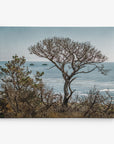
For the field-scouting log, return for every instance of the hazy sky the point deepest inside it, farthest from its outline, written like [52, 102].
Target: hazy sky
[16, 40]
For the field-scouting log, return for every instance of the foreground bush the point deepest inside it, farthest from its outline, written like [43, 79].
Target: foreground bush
[97, 105]
[21, 93]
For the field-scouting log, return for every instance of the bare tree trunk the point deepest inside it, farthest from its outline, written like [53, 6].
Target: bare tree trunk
[65, 101]
[66, 93]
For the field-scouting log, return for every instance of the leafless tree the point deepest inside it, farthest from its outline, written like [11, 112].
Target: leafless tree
[71, 58]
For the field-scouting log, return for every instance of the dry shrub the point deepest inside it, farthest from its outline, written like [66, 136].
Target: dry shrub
[97, 105]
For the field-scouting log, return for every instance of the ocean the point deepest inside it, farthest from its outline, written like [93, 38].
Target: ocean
[52, 78]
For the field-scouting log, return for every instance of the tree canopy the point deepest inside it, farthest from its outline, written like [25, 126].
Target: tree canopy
[64, 52]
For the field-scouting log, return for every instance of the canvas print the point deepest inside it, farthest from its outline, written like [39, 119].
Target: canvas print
[56, 72]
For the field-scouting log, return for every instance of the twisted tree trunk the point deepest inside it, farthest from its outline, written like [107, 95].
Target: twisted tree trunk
[66, 93]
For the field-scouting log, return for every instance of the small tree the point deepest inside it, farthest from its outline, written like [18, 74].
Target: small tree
[71, 58]
[21, 91]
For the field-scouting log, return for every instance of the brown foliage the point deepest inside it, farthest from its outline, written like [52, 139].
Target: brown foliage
[20, 91]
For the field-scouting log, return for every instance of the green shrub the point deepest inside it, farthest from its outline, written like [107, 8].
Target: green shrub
[20, 90]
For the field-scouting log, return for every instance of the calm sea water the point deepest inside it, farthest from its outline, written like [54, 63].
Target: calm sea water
[84, 82]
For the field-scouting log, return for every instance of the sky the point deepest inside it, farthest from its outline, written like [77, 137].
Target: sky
[17, 40]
